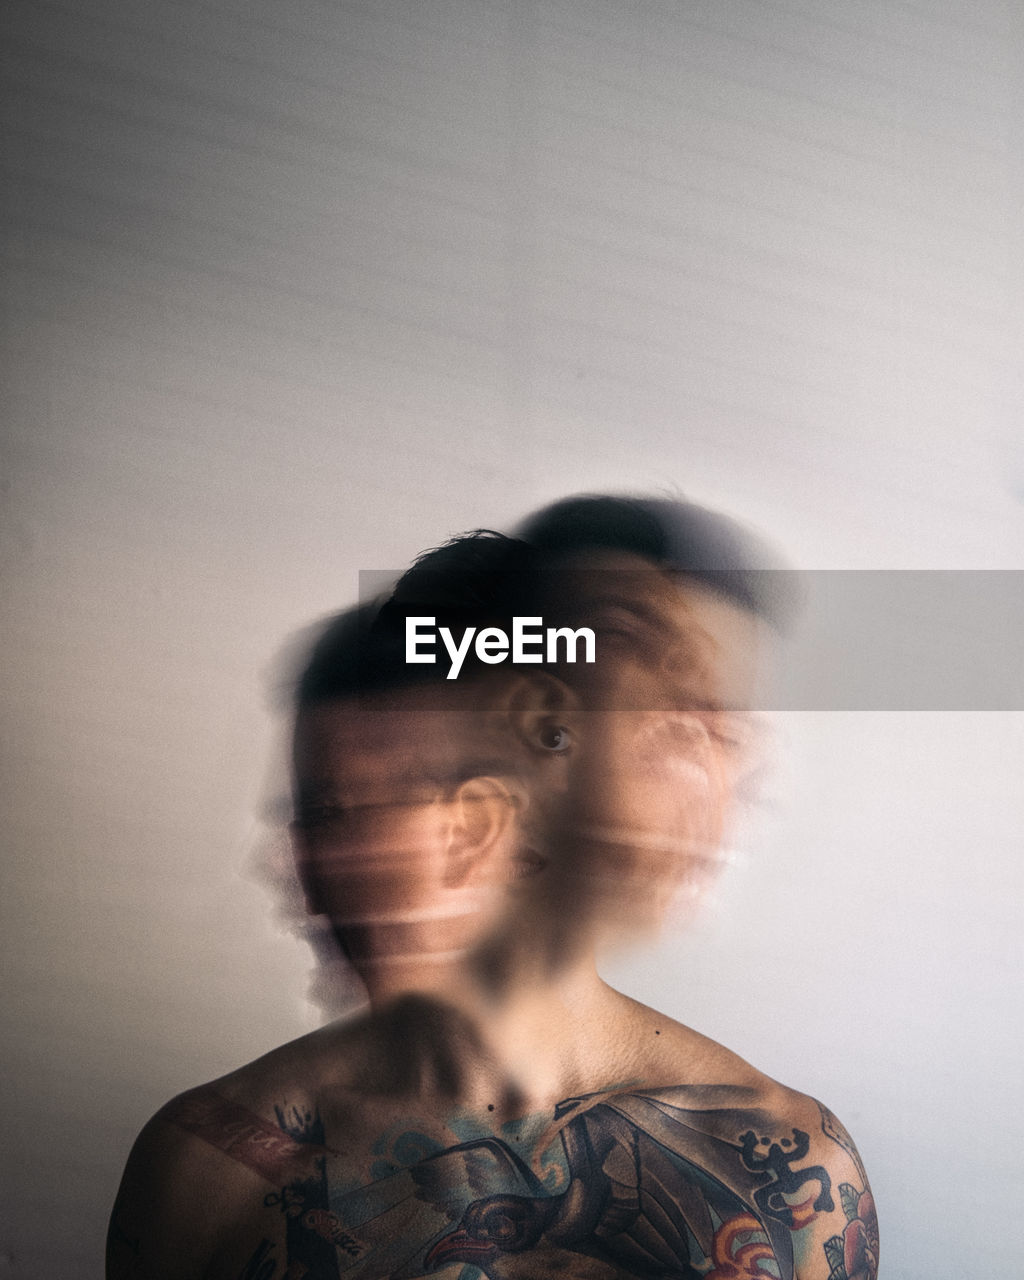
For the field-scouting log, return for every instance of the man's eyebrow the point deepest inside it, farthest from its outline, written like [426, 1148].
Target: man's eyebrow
[646, 613]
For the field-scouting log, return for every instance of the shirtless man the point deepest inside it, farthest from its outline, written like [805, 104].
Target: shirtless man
[500, 1107]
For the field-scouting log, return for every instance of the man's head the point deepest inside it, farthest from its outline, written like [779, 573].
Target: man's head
[679, 599]
[617, 774]
[413, 794]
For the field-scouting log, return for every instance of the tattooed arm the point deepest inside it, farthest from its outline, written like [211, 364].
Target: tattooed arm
[156, 1224]
[184, 1207]
[840, 1241]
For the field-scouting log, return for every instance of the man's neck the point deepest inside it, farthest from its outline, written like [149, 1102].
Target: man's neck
[502, 1041]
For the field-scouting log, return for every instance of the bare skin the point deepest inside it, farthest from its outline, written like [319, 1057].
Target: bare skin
[500, 1107]
[458, 1082]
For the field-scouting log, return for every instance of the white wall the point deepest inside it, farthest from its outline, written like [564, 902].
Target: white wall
[297, 290]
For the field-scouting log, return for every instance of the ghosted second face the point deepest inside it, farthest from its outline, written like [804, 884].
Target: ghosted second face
[666, 736]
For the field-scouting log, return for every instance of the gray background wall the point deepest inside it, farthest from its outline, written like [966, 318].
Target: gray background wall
[295, 290]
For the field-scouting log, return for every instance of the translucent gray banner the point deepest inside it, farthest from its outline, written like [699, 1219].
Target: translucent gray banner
[904, 640]
[877, 640]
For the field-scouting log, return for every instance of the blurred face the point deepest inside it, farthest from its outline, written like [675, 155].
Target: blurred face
[665, 736]
[382, 847]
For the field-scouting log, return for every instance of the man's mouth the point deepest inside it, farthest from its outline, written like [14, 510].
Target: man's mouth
[526, 863]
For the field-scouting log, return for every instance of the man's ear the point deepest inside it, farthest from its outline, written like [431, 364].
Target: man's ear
[481, 840]
[544, 714]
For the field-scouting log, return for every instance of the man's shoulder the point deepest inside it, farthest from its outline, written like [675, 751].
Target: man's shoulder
[689, 1072]
[268, 1105]
[670, 1053]
[203, 1165]
[176, 1192]
[786, 1153]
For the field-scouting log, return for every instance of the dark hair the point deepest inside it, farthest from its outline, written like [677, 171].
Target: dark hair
[484, 575]
[480, 579]
[339, 663]
[672, 534]
[484, 579]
